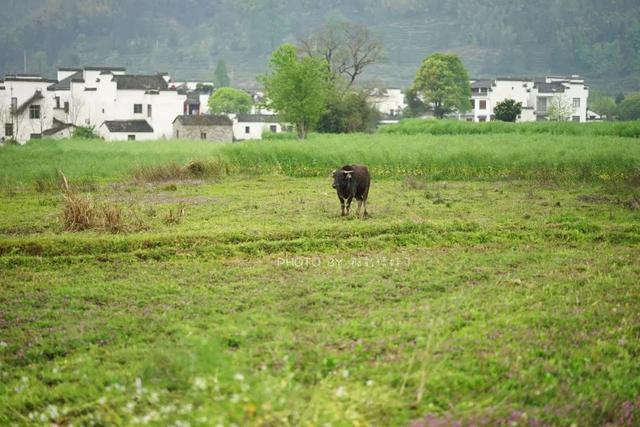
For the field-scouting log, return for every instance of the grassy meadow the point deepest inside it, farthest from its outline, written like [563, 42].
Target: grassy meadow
[187, 283]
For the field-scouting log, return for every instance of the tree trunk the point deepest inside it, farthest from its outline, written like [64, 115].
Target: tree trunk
[302, 130]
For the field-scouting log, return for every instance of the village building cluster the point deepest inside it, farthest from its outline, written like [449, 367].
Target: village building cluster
[536, 96]
[119, 106]
[122, 106]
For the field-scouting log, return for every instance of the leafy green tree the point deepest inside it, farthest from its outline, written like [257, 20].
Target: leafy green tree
[297, 88]
[507, 110]
[442, 83]
[415, 106]
[629, 109]
[229, 100]
[350, 112]
[220, 75]
[601, 104]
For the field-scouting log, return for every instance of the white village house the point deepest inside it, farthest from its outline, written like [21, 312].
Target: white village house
[535, 95]
[252, 126]
[389, 102]
[25, 110]
[31, 106]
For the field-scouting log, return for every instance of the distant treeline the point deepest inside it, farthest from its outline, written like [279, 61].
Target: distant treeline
[590, 37]
[455, 127]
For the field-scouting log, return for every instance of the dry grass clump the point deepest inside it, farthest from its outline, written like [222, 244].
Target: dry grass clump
[158, 173]
[195, 169]
[174, 216]
[81, 213]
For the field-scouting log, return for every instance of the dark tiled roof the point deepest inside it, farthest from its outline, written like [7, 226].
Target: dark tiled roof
[257, 118]
[484, 83]
[36, 96]
[65, 84]
[57, 128]
[89, 68]
[553, 87]
[128, 126]
[26, 78]
[132, 82]
[204, 120]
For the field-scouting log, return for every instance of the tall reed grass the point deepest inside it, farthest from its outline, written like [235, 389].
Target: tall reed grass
[520, 155]
[454, 127]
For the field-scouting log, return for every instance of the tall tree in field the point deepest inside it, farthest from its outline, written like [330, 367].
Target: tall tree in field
[442, 83]
[229, 100]
[296, 88]
[507, 110]
[220, 75]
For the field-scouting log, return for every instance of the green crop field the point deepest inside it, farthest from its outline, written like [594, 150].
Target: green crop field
[187, 283]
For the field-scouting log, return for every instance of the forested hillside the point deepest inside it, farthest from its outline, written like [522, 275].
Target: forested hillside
[187, 37]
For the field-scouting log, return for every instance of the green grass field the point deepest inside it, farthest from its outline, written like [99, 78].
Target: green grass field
[495, 283]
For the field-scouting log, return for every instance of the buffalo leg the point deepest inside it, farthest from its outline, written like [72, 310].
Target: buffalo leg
[342, 206]
[364, 202]
[349, 204]
[359, 207]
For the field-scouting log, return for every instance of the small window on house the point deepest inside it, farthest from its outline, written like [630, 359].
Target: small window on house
[482, 118]
[66, 107]
[575, 118]
[57, 102]
[177, 134]
[203, 135]
[35, 136]
[473, 104]
[247, 129]
[14, 103]
[483, 104]
[8, 129]
[576, 103]
[34, 111]
[137, 108]
[542, 104]
[273, 128]
[131, 137]
[149, 110]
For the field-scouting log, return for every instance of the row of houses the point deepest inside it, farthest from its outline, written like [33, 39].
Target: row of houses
[119, 106]
[122, 106]
[535, 94]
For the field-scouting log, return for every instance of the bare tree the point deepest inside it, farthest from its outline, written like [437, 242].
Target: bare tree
[75, 108]
[348, 49]
[560, 108]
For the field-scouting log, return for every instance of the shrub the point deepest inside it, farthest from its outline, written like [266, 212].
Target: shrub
[349, 113]
[85, 132]
[508, 110]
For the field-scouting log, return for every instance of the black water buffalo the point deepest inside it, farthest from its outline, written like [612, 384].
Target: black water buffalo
[352, 181]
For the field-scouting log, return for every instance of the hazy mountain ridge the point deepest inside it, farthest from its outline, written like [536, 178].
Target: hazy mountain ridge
[601, 41]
